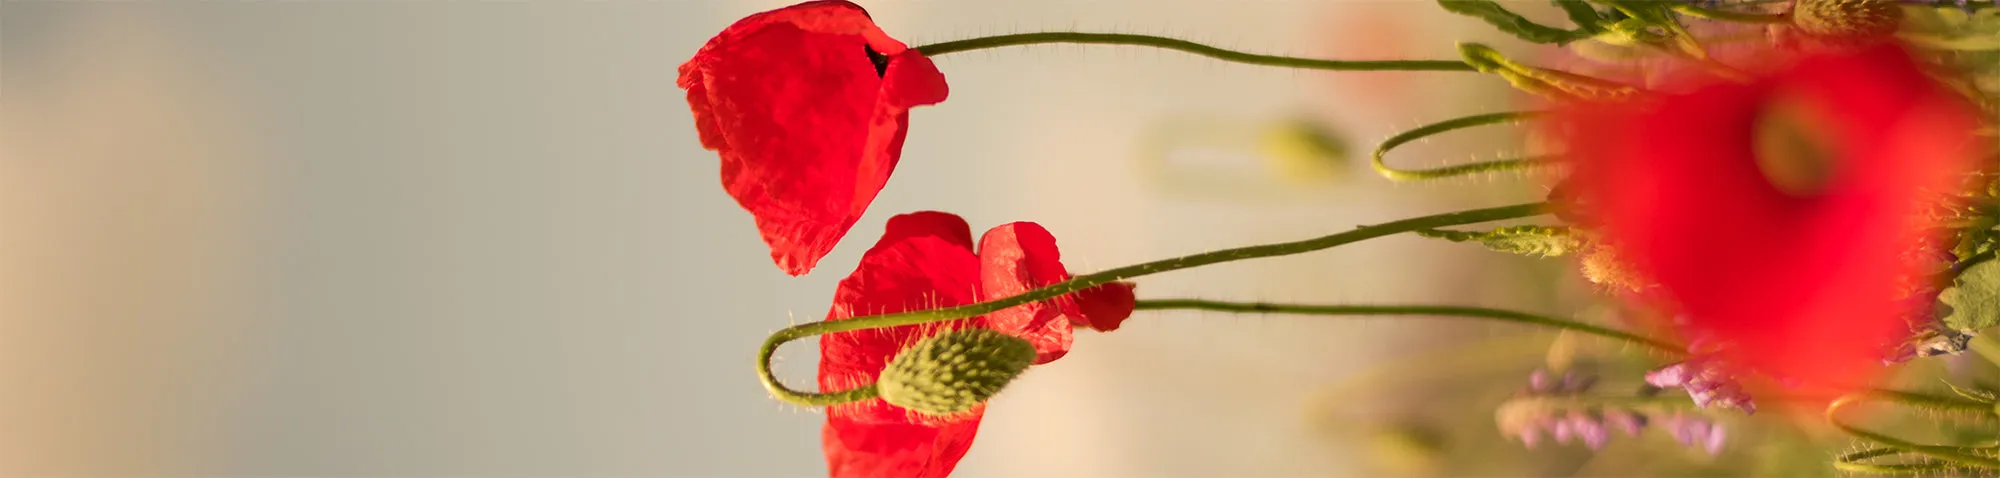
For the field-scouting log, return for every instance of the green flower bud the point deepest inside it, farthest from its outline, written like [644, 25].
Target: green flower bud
[954, 371]
[1853, 19]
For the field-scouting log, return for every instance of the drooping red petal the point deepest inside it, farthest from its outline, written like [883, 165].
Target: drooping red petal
[1015, 258]
[895, 450]
[1800, 286]
[1105, 307]
[924, 260]
[807, 128]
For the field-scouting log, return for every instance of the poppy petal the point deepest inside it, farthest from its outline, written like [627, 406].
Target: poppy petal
[807, 127]
[895, 450]
[924, 261]
[1802, 286]
[1105, 307]
[1015, 258]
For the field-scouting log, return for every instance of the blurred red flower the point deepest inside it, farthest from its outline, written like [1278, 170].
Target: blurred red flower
[808, 106]
[925, 260]
[1774, 214]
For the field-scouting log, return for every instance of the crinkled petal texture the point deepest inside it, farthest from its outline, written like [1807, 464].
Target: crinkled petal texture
[1022, 256]
[807, 106]
[925, 260]
[1801, 284]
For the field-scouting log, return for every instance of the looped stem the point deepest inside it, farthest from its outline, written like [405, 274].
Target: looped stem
[1856, 462]
[1459, 170]
[1077, 283]
[1177, 44]
[1941, 456]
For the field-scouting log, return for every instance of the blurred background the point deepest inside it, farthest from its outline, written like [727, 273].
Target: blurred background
[480, 238]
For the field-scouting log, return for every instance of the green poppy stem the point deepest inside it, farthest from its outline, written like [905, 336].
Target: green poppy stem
[1426, 310]
[1728, 16]
[788, 395]
[1176, 44]
[1441, 127]
[1951, 456]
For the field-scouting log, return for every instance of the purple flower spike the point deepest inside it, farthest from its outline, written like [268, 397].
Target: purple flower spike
[1590, 429]
[1694, 431]
[1705, 381]
[1591, 425]
[1687, 431]
[1563, 431]
[1670, 376]
[1625, 420]
[1716, 435]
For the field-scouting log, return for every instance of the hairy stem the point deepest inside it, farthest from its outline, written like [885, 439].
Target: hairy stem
[1081, 282]
[1740, 17]
[1955, 456]
[1019, 39]
[1426, 310]
[1459, 170]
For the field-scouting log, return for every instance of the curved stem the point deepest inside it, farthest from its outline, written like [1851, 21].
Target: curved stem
[1459, 170]
[1968, 5]
[1430, 310]
[1919, 400]
[1081, 282]
[1957, 456]
[1018, 39]
[1853, 462]
[1740, 17]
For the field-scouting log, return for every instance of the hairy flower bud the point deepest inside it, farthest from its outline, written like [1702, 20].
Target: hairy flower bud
[953, 372]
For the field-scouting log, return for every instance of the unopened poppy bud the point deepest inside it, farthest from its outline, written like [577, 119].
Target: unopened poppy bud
[1850, 19]
[953, 372]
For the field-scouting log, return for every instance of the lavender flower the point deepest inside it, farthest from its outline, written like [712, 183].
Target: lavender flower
[1528, 418]
[1548, 407]
[1706, 381]
[1695, 431]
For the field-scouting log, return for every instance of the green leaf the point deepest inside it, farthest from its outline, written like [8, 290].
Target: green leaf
[1587, 20]
[1545, 241]
[1510, 22]
[1974, 298]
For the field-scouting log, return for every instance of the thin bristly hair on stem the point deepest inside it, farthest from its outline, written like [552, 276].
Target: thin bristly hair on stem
[1085, 281]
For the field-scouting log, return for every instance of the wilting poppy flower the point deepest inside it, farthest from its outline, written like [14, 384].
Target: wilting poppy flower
[808, 106]
[1775, 215]
[926, 260]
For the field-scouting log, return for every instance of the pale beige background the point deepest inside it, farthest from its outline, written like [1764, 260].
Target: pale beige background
[479, 238]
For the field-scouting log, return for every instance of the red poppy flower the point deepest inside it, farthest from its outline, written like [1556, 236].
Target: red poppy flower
[926, 260]
[1774, 215]
[808, 106]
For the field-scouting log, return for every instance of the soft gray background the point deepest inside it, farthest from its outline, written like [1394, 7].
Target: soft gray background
[473, 238]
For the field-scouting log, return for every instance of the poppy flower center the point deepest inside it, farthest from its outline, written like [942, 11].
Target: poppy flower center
[880, 60]
[1793, 147]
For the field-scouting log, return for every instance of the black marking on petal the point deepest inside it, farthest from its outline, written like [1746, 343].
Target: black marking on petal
[880, 60]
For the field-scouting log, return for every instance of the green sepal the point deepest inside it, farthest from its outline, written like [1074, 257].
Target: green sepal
[1975, 394]
[1512, 23]
[1544, 241]
[1545, 82]
[1654, 13]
